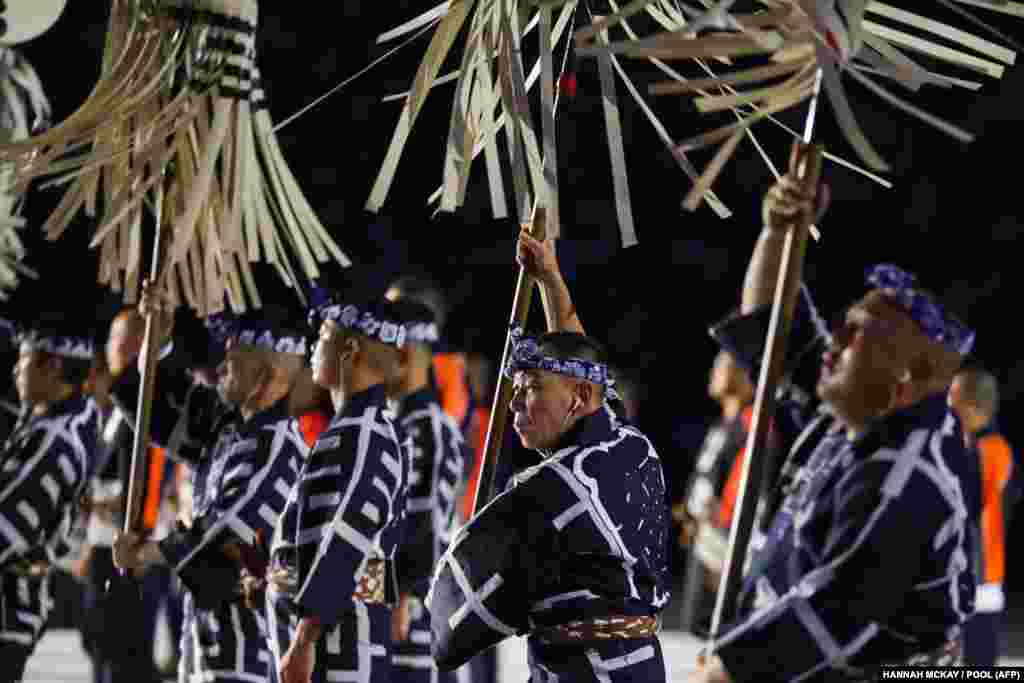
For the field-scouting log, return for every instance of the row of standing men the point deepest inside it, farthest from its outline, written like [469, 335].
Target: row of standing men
[862, 560]
[245, 436]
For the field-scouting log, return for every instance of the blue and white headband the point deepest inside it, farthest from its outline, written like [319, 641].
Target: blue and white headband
[232, 332]
[67, 346]
[937, 324]
[526, 355]
[422, 333]
[366, 322]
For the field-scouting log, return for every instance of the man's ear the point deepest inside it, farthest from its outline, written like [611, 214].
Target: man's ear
[350, 348]
[584, 394]
[55, 364]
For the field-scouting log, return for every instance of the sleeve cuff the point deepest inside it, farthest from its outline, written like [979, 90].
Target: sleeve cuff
[211, 577]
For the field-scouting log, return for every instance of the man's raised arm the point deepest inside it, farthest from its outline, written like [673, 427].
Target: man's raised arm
[783, 207]
[538, 258]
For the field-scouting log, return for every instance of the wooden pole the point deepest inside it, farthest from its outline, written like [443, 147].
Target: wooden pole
[783, 307]
[143, 411]
[787, 289]
[503, 396]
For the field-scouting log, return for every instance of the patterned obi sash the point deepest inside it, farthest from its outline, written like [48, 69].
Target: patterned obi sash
[370, 587]
[591, 630]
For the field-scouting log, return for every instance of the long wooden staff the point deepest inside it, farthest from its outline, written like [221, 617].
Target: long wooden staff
[503, 396]
[143, 411]
[783, 307]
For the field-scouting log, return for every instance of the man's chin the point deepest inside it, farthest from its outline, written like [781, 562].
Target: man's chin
[527, 440]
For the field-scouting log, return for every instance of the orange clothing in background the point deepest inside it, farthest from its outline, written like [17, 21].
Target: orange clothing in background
[727, 505]
[476, 440]
[312, 424]
[996, 464]
[154, 487]
[452, 387]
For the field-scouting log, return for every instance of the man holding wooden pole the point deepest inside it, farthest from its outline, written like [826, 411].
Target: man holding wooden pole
[245, 450]
[864, 561]
[574, 551]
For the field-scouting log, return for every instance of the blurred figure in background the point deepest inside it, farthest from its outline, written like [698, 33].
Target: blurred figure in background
[706, 511]
[974, 395]
[125, 652]
[450, 371]
[46, 463]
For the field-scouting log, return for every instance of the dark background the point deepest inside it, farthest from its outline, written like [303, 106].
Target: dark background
[953, 215]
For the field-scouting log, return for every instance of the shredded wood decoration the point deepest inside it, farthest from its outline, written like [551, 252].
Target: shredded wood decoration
[178, 126]
[24, 109]
[789, 39]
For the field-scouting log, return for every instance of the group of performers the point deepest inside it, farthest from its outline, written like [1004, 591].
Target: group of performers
[321, 543]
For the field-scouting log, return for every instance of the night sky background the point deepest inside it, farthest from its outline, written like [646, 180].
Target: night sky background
[953, 215]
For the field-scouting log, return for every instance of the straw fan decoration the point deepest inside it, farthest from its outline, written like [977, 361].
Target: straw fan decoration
[178, 126]
[788, 40]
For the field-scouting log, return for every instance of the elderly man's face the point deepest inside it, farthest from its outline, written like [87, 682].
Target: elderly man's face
[542, 403]
[861, 367]
[239, 376]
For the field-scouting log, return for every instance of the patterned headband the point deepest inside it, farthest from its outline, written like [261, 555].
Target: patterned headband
[422, 333]
[233, 332]
[526, 355]
[59, 345]
[937, 324]
[367, 322]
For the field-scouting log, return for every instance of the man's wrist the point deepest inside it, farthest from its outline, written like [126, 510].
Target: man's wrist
[308, 631]
[149, 554]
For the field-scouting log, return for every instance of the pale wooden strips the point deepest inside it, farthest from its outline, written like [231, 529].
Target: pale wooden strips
[513, 131]
[980, 45]
[753, 75]
[486, 101]
[587, 33]
[935, 50]
[440, 44]
[934, 121]
[457, 161]
[719, 102]
[616, 149]
[847, 121]
[684, 163]
[880, 54]
[232, 190]
[422, 20]
[711, 173]
[549, 199]
[1015, 9]
[680, 156]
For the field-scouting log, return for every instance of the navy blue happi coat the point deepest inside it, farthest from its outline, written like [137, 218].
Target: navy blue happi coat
[864, 561]
[581, 536]
[44, 467]
[439, 454]
[344, 514]
[242, 473]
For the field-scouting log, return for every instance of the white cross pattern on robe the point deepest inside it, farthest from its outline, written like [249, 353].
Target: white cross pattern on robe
[475, 600]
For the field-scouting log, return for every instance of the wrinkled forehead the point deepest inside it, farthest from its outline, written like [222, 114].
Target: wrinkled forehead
[242, 353]
[536, 376]
[890, 320]
[877, 305]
